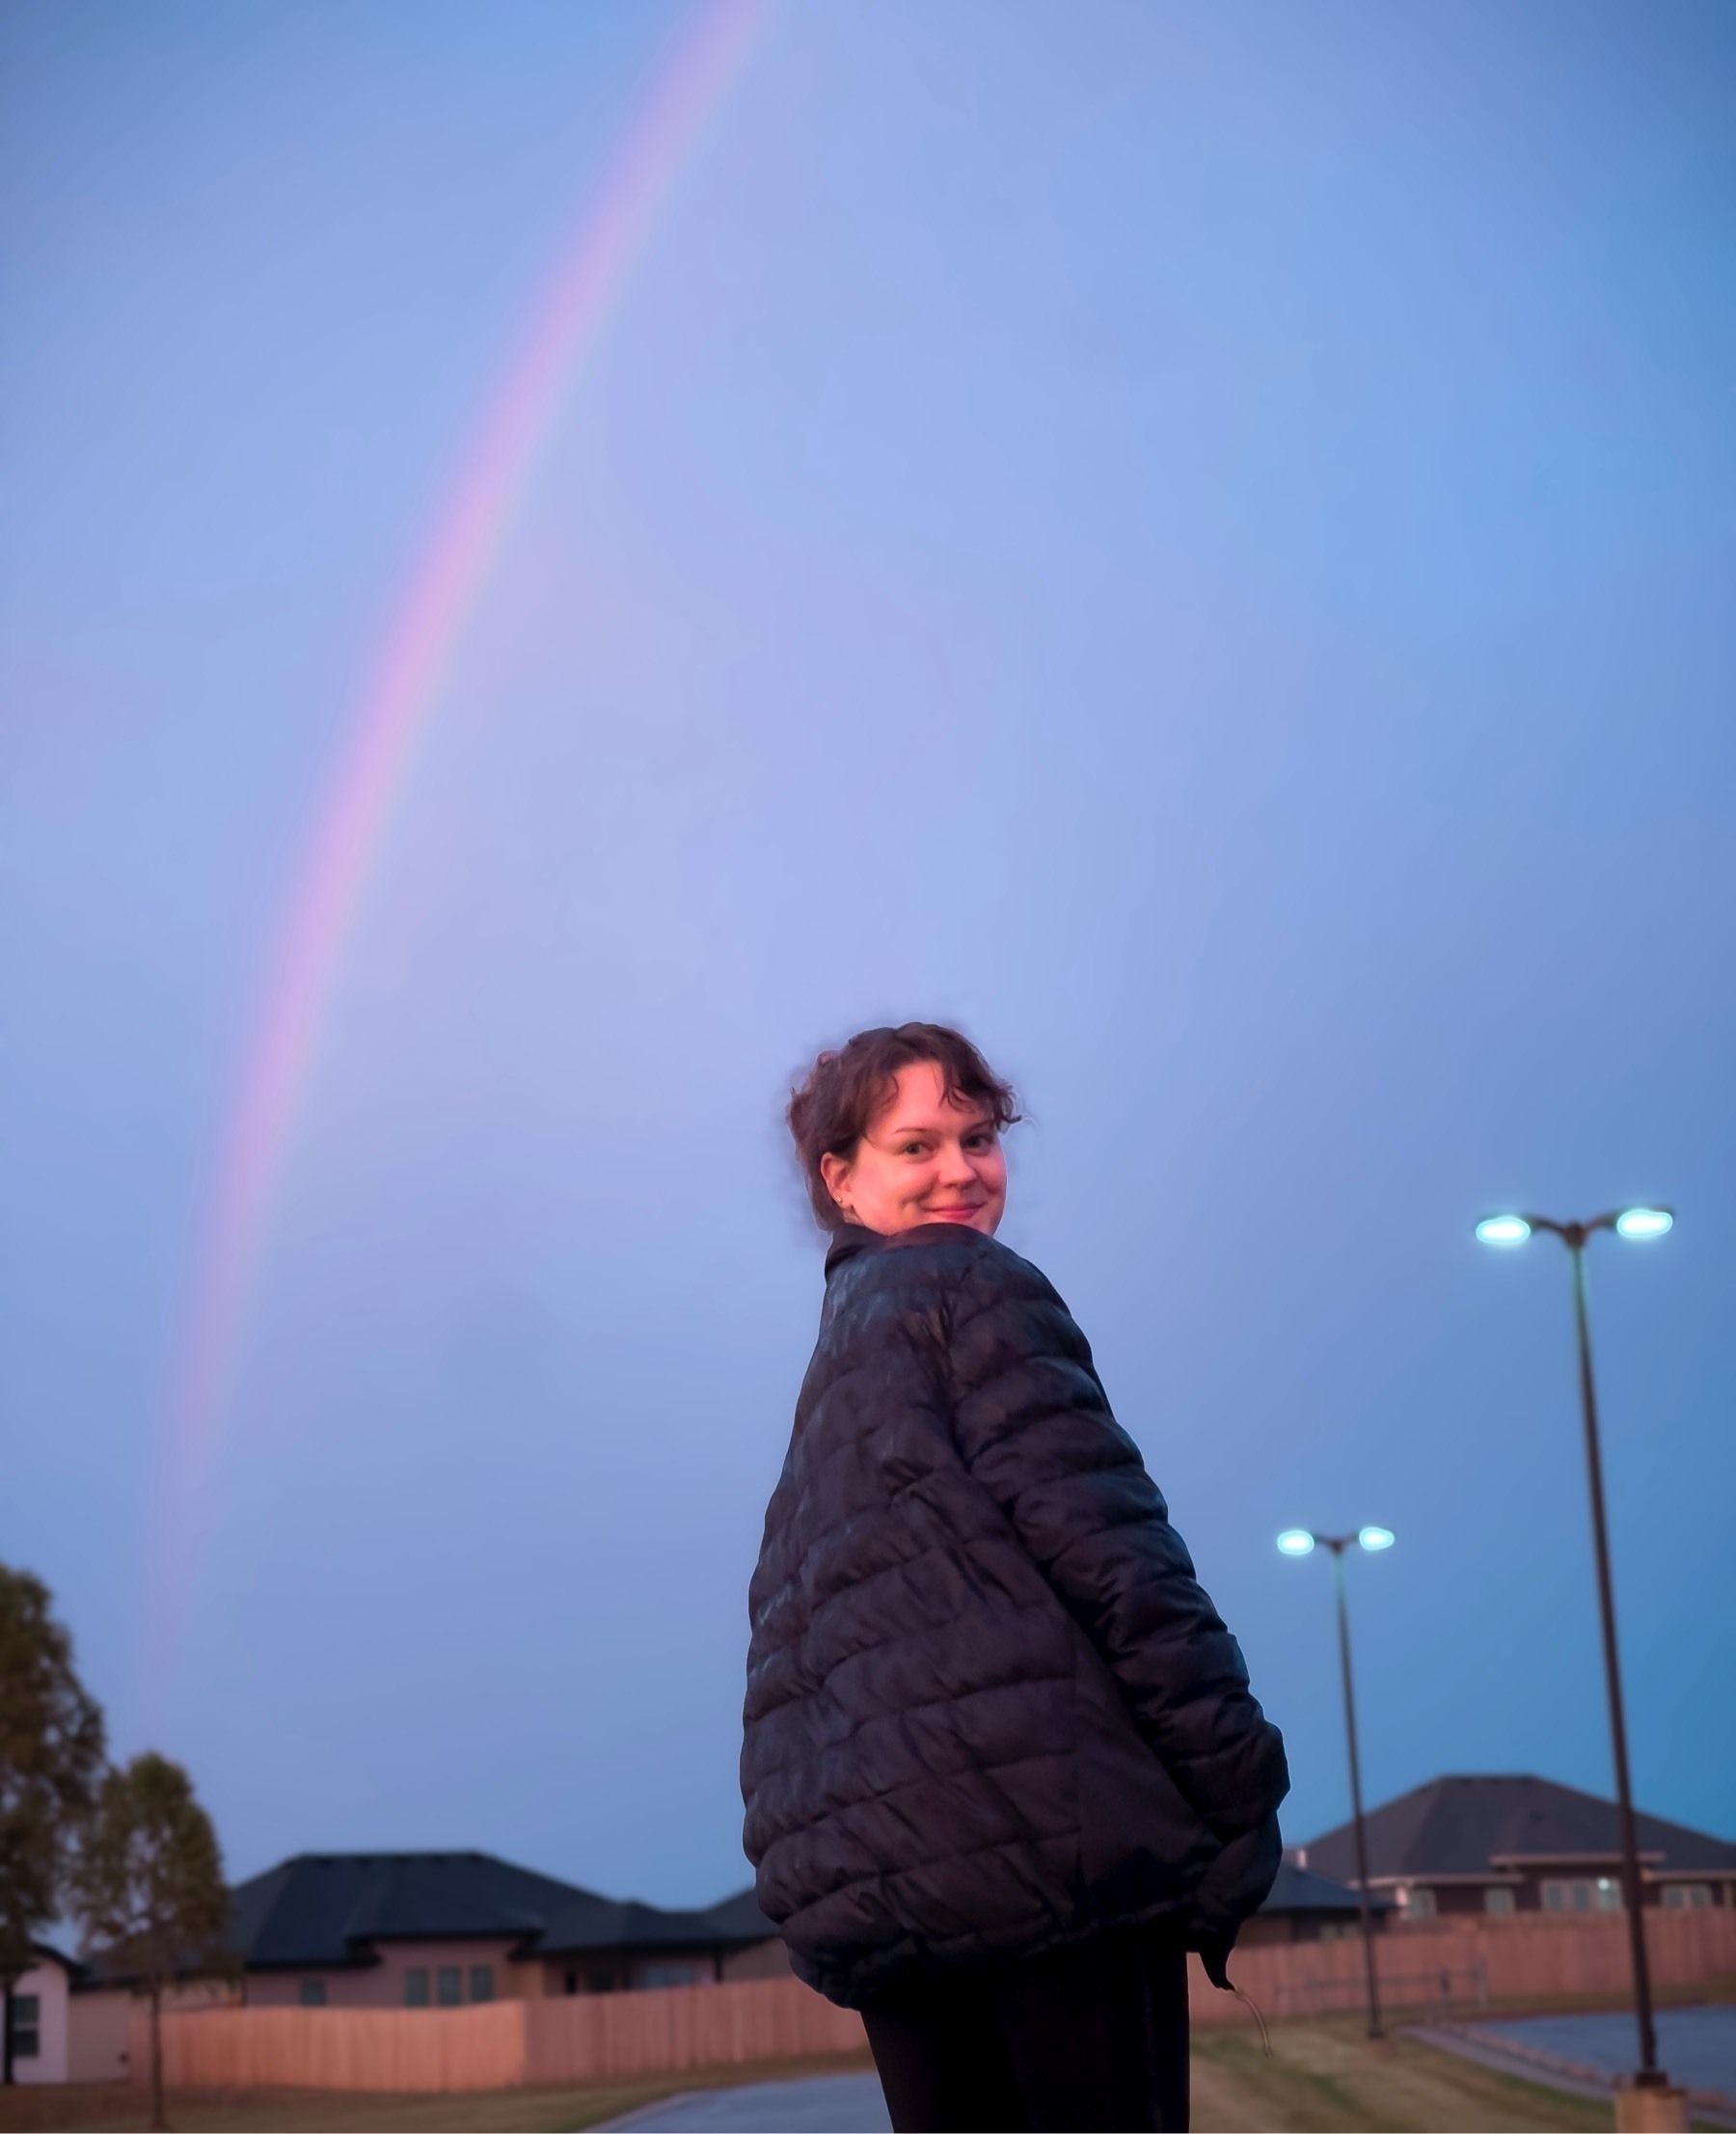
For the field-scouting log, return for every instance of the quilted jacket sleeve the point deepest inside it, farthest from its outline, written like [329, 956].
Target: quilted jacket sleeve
[1034, 1428]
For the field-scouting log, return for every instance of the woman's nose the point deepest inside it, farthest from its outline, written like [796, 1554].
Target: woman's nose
[956, 1165]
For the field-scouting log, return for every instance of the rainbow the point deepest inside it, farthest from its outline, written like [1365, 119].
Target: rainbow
[392, 714]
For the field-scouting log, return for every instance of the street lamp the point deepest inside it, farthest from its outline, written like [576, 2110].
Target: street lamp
[1632, 1223]
[1297, 1541]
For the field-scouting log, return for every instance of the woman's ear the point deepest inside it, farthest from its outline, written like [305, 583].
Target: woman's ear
[835, 1176]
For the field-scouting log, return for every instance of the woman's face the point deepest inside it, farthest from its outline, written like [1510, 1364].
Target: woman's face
[923, 1160]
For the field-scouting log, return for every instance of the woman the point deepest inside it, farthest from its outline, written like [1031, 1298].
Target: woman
[1002, 1768]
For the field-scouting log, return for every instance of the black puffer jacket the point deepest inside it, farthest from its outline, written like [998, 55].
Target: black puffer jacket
[989, 1710]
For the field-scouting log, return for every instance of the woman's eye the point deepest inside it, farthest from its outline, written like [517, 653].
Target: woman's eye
[911, 1149]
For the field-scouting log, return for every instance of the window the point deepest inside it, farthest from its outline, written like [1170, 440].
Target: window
[312, 1993]
[1602, 1894]
[481, 1982]
[669, 1974]
[26, 2025]
[1498, 1898]
[449, 1986]
[572, 1981]
[1419, 1904]
[1687, 1896]
[415, 1989]
[602, 1982]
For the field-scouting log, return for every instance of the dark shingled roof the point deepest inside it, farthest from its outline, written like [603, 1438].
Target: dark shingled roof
[328, 1909]
[44, 1952]
[593, 1923]
[740, 1919]
[1299, 1889]
[1476, 1825]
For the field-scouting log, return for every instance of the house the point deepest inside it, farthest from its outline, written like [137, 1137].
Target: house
[38, 2020]
[444, 1929]
[1304, 1906]
[1463, 1845]
[427, 1930]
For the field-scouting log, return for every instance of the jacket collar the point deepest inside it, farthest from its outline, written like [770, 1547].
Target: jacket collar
[853, 1239]
[846, 1243]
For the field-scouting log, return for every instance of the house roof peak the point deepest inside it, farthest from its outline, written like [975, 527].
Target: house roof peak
[1462, 1824]
[331, 1911]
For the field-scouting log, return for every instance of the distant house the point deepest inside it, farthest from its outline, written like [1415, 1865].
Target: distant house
[444, 1929]
[1304, 1906]
[1491, 1846]
[39, 2022]
[426, 1929]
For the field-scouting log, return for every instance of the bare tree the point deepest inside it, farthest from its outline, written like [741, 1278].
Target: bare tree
[50, 1751]
[148, 1886]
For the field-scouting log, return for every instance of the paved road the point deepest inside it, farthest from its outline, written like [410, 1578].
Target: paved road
[818, 2104]
[1697, 2045]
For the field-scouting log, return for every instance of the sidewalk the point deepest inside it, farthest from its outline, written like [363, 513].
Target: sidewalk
[818, 2104]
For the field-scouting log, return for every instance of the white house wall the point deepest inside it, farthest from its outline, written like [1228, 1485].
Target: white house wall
[48, 2064]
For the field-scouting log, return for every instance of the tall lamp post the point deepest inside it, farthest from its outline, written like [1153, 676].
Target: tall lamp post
[1297, 1541]
[1632, 1222]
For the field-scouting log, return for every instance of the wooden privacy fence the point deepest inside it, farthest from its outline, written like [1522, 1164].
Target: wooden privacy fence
[596, 2037]
[587, 2039]
[336, 2048]
[684, 2026]
[1529, 1958]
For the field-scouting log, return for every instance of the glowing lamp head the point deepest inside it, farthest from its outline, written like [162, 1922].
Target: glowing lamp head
[1503, 1229]
[1377, 1537]
[1296, 1540]
[1645, 1222]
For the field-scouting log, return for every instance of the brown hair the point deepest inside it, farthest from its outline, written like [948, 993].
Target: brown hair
[835, 1107]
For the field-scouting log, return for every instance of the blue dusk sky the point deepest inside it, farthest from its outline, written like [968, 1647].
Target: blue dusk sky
[1193, 539]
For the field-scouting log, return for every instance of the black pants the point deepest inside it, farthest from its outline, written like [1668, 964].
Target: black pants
[1093, 2037]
